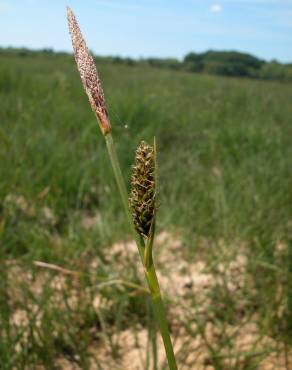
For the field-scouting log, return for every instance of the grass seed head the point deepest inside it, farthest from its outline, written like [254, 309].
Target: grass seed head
[88, 74]
[142, 196]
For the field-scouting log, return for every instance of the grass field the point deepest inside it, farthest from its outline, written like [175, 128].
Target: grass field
[224, 224]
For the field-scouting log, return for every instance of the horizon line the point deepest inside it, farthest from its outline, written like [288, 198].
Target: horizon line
[144, 57]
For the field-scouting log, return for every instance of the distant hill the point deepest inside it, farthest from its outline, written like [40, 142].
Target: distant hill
[229, 63]
[233, 63]
[225, 63]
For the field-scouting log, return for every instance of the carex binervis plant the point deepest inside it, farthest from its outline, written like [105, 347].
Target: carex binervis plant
[139, 206]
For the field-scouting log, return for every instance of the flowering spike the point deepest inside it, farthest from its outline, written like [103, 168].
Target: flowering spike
[142, 196]
[88, 74]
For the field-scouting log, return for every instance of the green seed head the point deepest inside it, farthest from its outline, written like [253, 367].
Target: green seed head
[142, 196]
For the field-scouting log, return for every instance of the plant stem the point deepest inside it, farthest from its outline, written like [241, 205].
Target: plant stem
[159, 311]
[150, 272]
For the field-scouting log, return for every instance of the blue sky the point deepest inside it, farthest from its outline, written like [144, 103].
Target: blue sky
[162, 28]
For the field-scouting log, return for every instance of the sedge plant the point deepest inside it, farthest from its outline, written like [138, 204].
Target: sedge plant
[139, 206]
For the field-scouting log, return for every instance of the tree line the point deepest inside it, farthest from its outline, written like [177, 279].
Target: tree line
[224, 63]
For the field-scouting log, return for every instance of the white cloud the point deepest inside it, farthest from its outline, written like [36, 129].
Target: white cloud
[216, 8]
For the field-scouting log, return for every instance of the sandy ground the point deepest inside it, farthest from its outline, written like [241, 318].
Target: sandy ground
[191, 289]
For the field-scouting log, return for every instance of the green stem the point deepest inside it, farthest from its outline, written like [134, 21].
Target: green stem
[150, 272]
[159, 311]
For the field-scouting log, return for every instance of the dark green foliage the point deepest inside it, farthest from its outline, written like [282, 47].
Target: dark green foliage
[233, 57]
[276, 71]
[226, 63]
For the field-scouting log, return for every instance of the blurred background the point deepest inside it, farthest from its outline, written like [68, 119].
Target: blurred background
[212, 82]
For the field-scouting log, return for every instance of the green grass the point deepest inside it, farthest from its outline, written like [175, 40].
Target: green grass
[224, 154]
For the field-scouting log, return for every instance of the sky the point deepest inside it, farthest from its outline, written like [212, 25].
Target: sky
[153, 28]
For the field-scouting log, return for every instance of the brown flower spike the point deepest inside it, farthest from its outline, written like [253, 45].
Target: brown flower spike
[88, 74]
[142, 196]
